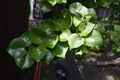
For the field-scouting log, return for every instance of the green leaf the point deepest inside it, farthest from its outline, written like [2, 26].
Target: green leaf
[115, 36]
[80, 55]
[75, 8]
[76, 20]
[92, 13]
[82, 26]
[94, 40]
[48, 57]
[51, 41]
[24, 62]
[60, 50]
[62, 20]
[99, 27]
[17, 47]
[61, 1]
[107, 3]
[117, 28]
[17, 53]
[53, 2]
[83, 11]
[37, 52]
[88, 29]
[19, 43]
[32, 37]
[118, 49]
[64, 35]
[75, 41]
[45, 6]
[48, 26]
[39, 32]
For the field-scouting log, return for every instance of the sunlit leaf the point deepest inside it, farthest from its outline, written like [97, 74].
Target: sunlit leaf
[82, 25]
[99, 27]
[80, 55]
[75, 8]
[83, 11]
[51, 41]
[76, 20]
[92, 13]
[24, 62]
[88, 29]
[64, 35]
[94, 40]
[118, 49]
[53, 2]
[75, 41]
[117, 28]
[60, 50]
[107, 3]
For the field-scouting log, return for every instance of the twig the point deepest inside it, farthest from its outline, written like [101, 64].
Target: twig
[115, 62]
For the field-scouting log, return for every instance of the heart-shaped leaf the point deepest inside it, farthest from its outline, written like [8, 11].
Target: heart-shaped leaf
[64, 35]
[39, 32]
[117, 28]
[32, 37]
[48, 57]
[94, 40]
[45, 6]
[82, 26]
[99, 27]
[62, 20]
[51, 41]
[19, 43]
[37, 52]
[80, 55]
[17, 47]
[75, 8]
[53, 2]
[60, 50]
[107, 3]
[76, 20]
[92, 13]
[88, 29]
[24, 62]
[83, 11]
[48, 26]
[75, 41]
[17, 53]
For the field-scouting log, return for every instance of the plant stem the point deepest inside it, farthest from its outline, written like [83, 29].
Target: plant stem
[38, 71]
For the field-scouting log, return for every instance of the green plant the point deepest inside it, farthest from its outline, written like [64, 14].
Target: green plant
[74, 28]
[111, 35]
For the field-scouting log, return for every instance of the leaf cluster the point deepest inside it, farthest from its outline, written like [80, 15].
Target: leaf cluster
[74, 28]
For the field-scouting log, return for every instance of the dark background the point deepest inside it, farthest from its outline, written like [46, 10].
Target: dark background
[13, 22]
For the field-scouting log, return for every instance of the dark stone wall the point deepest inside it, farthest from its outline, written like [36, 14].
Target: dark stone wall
[13, 22]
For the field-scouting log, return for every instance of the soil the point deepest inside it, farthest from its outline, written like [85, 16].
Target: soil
[95, 66]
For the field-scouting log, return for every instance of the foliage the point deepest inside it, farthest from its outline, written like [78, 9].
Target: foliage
[76, 27]
[111, 35]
